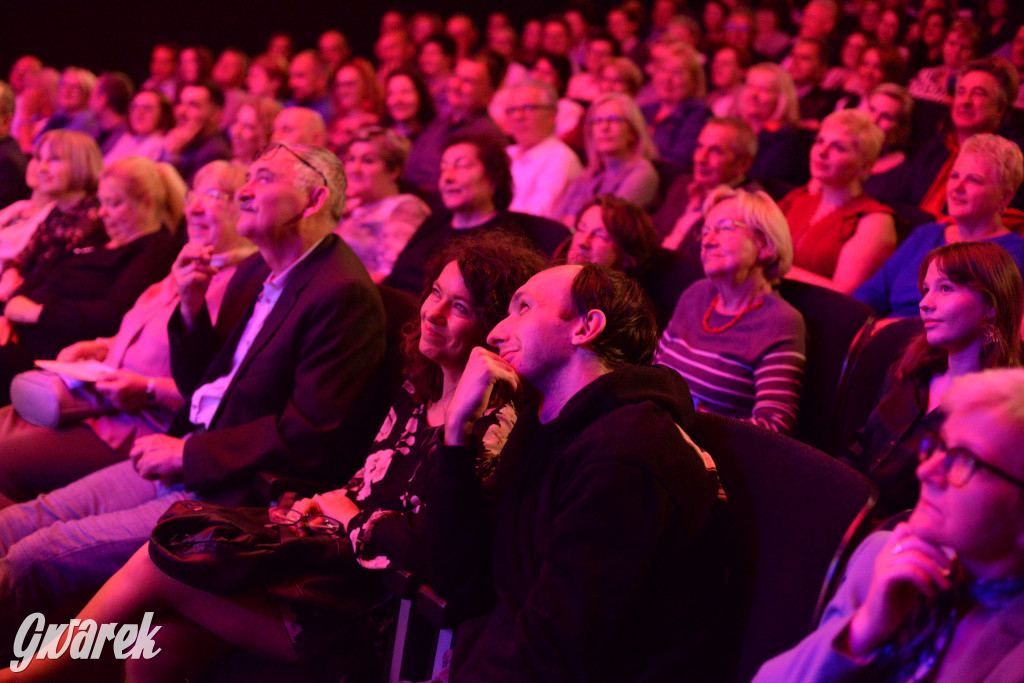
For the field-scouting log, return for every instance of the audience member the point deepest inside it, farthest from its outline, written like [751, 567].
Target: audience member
[728, 69]
[736, 342]
[393, 50]
[768, 104]
[619, 153]
[476, 190]
[308, 84]
[229, 73]
[408, 104]
[936, 596]
[598, 461]
[807, 67]
[675, 120]
[959, 47]
[137, 391]
[725, 150]
[435, 58]
[840, 235]
[83, 292]
[68, 167]
[464, 33]
[615, 234]
[73, 111]
[252, 128]
[195, 65]
[267, 77]
[890, 107]
[620, 75]
[472, 86]
[556, 71]
[287, 393]
[334, 50]
[357, 101]
[109, 102]
[542, 165]
[20, 220]
[987, 172]
[926, 51]
[849, 59]
[379, 219]
[150, 117]
[163, 71]
[299, 126]
[13, 161]
[195, 139]
[584, 85]
[971, 305]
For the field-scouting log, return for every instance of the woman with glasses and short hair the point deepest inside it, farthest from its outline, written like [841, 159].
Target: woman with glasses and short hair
[619, 154]
[739, 346]
[939, 598]
[971, 308]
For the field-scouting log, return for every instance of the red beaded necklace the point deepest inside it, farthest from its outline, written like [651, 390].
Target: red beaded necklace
[736, 319]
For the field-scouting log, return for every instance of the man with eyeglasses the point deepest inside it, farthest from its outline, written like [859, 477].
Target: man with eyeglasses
[542, 165]
[941, 597]
[291, 392]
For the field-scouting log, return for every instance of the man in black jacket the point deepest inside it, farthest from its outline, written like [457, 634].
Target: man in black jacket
[606, 559]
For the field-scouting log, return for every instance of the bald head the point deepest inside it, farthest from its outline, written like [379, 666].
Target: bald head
[299, 126]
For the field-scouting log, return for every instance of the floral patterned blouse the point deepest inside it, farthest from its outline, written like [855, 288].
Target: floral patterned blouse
[388, 528]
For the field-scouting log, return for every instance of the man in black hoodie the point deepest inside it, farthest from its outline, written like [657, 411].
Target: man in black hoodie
[606, 555]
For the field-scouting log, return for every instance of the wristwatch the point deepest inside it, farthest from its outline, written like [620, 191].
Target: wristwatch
[151, 391]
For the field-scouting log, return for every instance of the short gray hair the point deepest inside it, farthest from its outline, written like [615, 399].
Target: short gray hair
[1003, 159]
[548, 94]
[325, 163]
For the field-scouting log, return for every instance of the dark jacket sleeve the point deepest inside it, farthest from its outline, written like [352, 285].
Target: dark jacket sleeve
[67, 318]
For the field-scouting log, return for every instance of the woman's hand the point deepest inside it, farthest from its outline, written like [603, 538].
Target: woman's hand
[23, 310]
[473, 394]
[10, 282]
[91, 349]
[908, 571]
[334, 504]
[126, 390]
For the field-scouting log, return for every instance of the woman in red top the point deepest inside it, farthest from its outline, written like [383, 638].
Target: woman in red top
[840, 235]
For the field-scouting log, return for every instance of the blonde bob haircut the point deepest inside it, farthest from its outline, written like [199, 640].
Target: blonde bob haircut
[147, 182]
[787, 111]
[80, 151]
[867, 137]
[760, 213]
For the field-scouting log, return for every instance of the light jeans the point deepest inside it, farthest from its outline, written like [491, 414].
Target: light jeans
[67, 543]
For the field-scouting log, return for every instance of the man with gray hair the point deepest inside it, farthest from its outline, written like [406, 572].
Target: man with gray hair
[299, 126]
[542, 165]
[725, 150]
[12, 159]
[291, 391]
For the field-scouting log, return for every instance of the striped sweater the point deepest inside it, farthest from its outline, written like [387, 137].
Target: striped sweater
[753, 370]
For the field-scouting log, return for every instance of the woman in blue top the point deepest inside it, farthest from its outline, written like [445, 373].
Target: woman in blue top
[986, 174]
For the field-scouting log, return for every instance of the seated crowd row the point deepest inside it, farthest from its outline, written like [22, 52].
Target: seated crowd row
[212, 385]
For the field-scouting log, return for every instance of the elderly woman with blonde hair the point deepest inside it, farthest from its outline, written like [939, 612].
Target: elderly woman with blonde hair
[139, 396]
[840, 235]
[619, 154]
[768, 103]
[739, 346]
[82, 291]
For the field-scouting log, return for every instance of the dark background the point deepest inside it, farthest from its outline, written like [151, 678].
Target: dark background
[118, 35]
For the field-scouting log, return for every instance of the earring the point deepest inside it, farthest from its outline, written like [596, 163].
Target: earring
[991, 338]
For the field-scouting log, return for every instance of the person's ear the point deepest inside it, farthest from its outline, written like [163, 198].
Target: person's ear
[317, 200]
[589, 327]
